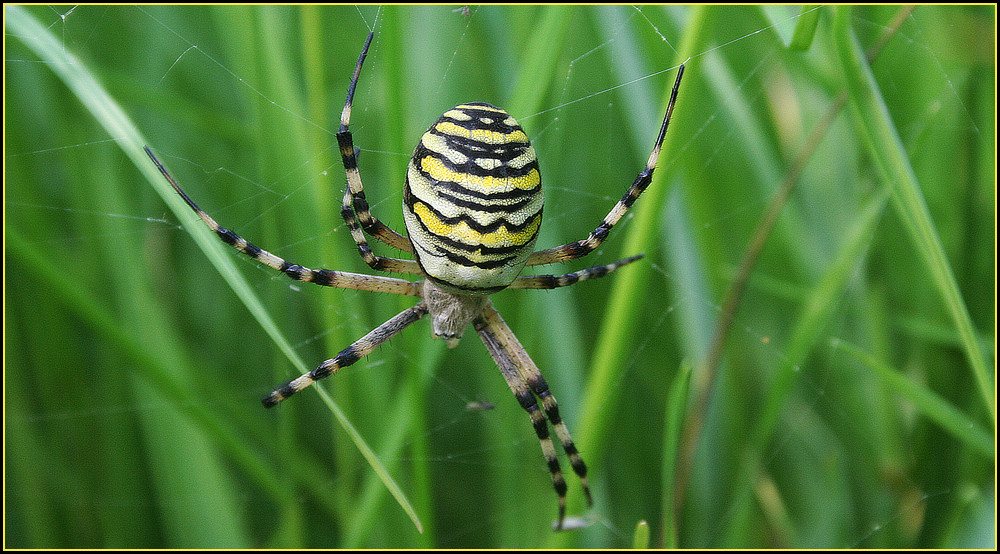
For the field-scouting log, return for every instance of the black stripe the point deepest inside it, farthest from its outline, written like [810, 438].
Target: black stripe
[279, 394]
[252, 251]
[467, 262]
[228, 236]
[347, 145]
[472, 150]
[360, 203]
[571, 450]
[515, 194]
[475, 124]
[501, 150]
[526, 400]
[322, 277]
[479, 227]
[509, 252]
[601, 232]
[560, 486]
[347, 214]
[498, 118]
[292, 270]
[552, 412]
[490, 197]
[510, 207]
[347, 356]
[271, 400]
[554, 468]
[638, 187]
[542, 430]
[465, 108]
[444, 283]
[472, 248]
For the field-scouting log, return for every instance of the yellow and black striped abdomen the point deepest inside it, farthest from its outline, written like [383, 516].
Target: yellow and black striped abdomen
[473, 199]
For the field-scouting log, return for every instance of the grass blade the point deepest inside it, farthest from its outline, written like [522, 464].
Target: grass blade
[886, 148]
[812, 319]
[927, 402]
[119, 126]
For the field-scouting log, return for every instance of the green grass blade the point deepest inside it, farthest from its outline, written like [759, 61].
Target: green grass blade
[676, 408]
[805, 28]
[119, 126]
[640, 539]
[622, 312]
[813, 318]
[112, 316]
[539, 61]
[198, 423]
[376, 464]
[886, 148]
[927, 402]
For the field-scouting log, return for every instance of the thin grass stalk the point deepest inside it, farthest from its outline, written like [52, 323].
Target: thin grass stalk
[886, 148]
[929, 404]
[118, 125]
[622, 314]
[812, 320]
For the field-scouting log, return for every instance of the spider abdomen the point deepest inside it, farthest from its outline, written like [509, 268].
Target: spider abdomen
[472, 203]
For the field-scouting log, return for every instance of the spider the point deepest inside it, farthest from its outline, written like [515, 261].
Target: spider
[472, 207]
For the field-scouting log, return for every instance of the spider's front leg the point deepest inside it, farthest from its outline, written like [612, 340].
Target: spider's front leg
[324, 277]
[583, 247]
[356, 210]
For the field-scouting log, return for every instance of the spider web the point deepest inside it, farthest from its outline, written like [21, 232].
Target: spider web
[469, 426]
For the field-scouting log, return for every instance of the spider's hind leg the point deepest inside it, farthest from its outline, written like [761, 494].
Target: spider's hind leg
[526, 382]
[361, 348]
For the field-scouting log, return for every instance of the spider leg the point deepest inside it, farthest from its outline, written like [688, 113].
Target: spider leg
[356, 211]
[527, 401]
[583, 247]
[375, 262]
[526, 382]
[361, 348]
[325, 277]
[553, 281]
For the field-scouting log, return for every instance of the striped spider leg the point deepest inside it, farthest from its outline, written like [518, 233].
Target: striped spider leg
[527, 383]
[583, 247]
[472, 207]
[354, 196]
[325, 277]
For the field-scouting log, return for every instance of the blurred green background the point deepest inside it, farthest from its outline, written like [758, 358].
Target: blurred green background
[851, 402]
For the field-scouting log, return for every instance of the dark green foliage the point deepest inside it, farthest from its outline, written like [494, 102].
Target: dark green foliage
[133, 371]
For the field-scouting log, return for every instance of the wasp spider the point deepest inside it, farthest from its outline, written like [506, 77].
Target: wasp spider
[472, 206]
